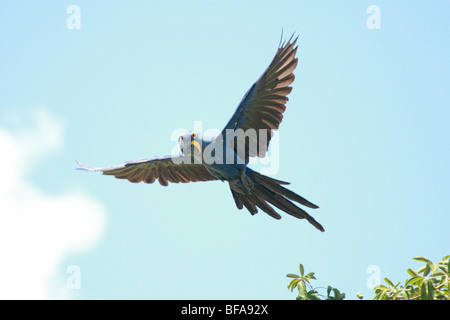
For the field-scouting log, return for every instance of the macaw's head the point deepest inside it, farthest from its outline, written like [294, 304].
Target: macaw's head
[190, 143]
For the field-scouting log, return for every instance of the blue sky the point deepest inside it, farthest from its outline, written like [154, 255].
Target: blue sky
[365, 136]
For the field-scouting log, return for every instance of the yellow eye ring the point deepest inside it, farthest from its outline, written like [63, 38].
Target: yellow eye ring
[194, 135]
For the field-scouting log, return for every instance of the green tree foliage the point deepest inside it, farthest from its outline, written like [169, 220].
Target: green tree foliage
[430, 282]
[306, 291]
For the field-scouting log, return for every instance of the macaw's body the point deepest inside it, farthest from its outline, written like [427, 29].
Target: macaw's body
[225, 157]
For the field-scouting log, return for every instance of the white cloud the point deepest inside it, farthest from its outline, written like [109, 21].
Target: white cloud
[38, 230]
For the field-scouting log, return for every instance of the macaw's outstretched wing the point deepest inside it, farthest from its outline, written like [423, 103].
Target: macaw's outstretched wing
[166, 169]
[264, 103]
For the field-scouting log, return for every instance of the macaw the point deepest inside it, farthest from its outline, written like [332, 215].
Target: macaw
[259, 112]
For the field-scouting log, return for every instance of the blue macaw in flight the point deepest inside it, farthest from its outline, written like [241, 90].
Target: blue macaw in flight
[260, 112]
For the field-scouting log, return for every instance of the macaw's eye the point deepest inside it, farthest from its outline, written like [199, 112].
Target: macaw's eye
[194, 135]
[180, 138]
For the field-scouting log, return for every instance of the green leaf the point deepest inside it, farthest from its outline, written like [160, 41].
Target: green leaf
[310, 275]
[438, 273]
[425, 293]
[383, 294]
[443, 269]
[341, 296]
[413, 273]
[427, 269]
[312, 295]
[413, 281]
[448, 267]
[302, 290]
[337, 295]
[293, 284]
[420, 281]
[434, 267]
[423, 259]
[381, 287]
[291, 275]
[430, 290]
[405, 295]
[302, 270]
[389, 282]
[397, 294]
[305, 278]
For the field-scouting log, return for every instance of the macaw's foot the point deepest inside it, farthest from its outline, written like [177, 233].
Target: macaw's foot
[242, 184]
[246, 182]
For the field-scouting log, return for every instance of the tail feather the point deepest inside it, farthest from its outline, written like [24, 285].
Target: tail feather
[290, 208]
[261, 203]
[274, 185]
[267, 192]
[249, 204]
[237, 199]
[256, 199]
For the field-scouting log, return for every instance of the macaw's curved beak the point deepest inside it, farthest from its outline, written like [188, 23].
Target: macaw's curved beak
[196, 145]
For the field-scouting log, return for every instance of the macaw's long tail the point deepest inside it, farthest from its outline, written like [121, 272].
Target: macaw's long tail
[268, 190]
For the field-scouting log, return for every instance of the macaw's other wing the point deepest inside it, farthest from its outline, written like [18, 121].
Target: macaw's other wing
[166, 169]
[264, 103]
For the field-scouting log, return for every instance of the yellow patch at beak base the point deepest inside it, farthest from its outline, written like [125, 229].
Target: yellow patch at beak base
[197, 145]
